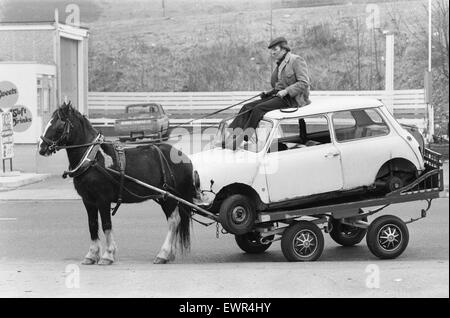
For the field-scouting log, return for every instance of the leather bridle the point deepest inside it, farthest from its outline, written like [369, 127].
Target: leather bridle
[55, 145]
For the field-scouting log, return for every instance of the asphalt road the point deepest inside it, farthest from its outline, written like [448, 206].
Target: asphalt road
[43, 242]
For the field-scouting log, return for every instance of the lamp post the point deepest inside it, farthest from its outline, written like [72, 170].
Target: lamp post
[429, 36]
[428, 80]
[389, 75]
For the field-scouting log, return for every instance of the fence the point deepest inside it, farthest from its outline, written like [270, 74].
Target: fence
[409, 106]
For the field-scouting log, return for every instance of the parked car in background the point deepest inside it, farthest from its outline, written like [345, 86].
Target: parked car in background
[147, 120]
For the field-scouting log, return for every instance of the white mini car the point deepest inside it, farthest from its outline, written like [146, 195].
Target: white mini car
[333, 149]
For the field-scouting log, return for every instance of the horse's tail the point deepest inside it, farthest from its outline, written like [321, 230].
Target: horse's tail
[184, 228]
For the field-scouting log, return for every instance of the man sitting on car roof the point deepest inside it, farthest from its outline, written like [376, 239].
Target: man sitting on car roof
[290, 88]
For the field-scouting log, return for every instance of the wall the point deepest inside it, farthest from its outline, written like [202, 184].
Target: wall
[24, 77]
[27, 45]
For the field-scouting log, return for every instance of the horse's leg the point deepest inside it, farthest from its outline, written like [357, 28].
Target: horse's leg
[93, 255]
[109, 255]
[167, 252]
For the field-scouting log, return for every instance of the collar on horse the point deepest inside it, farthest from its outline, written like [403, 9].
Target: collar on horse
[88, 159]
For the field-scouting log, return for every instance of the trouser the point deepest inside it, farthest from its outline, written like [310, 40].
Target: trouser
[251, 113]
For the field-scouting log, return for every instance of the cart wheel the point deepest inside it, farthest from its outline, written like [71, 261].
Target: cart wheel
[302, 241]
[237, 214]
[387, 237]
[250, 242]
[346, 235]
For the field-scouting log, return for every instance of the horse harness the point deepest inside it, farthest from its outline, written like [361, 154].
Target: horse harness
[89, 160]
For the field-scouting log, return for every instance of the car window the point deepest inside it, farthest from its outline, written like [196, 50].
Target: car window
[301, 132]
[254, 143]
[357, 124]
[143, 109]
[160, 109]
[257, 142]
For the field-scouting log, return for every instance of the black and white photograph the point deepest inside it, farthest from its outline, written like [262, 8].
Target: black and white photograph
[224, 153]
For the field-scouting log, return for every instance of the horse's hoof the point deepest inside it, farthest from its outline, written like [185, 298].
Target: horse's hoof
[105, 261]
[88, 261]
[160, 260]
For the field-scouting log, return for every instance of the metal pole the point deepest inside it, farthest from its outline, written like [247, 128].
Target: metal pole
[271, 35]
[271, 20]
[429, 35]
[430, 81]
[389, 85]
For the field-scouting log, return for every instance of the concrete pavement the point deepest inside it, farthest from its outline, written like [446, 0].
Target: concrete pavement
[271, 280]
[42, 244]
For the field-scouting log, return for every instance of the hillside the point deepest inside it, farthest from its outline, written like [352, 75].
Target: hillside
[214, 45]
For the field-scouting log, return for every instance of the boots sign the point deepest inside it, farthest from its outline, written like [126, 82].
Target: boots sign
[21, 115]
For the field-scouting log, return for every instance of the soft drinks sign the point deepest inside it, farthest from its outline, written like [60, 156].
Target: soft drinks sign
[22, 118]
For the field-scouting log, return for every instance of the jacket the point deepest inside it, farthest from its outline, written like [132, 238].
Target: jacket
[292, 75]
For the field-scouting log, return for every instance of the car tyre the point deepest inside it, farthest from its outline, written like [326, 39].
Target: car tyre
[250, 242]
[302, 242]
[387, 237]
[346, 235]
[237, 214]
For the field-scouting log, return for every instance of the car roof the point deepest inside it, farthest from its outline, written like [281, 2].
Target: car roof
[143, 104]
[326, 104]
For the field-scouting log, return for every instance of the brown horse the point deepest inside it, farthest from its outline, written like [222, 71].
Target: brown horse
[98, 187]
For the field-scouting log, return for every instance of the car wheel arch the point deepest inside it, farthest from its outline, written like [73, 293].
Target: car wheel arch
[397, 164]
[237, 188]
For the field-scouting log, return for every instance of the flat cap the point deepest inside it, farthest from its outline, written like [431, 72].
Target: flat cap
[276, 41]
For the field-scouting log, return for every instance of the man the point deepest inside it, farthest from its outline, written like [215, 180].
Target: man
[290, 88]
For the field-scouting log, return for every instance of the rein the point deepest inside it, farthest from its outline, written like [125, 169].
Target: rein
[216, 112]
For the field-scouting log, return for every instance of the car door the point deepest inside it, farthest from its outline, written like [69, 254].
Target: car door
[302, 166]
[363, 139]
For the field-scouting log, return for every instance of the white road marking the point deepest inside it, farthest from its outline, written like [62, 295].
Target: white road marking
[8, 219]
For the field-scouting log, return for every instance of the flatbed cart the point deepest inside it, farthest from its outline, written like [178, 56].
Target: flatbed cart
[387, 236]
[302, 239]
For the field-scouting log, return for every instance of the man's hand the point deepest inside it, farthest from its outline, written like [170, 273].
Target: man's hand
[282, 93]
[266, 94]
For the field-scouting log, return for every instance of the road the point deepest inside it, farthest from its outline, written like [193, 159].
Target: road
[42, 243]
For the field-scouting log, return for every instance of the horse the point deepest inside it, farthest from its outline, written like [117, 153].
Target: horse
[89, 155]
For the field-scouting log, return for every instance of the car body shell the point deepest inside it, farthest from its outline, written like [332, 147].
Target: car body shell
[330, 167]
[145, 119]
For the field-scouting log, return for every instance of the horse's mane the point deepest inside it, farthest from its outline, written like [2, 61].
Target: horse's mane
[75, 114]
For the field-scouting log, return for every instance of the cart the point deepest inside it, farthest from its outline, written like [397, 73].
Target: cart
[300, 230]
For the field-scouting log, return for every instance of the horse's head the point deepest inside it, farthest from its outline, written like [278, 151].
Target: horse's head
[57, 132]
